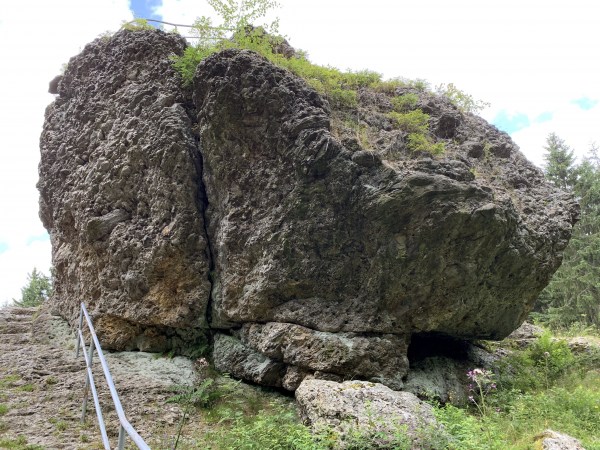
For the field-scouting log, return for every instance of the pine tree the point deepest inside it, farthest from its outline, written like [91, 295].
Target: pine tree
[573, 295]
[560, 160]
[36, 291]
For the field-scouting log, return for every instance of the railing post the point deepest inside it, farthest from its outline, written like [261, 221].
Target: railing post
[121, 438]
[78, 343]
[125, 428]
[87, 381]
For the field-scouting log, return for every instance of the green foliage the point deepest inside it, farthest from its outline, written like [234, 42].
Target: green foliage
[3, 409]
[137, 25]
[235, 30]
[19, 443]
[463, 101]
[236, 19]
[37, 290]
[205, 394]
[237, 14]
[573, 295]
[542, 386]
[482, 385]
[560, 160]
[465, 430]
[423, 143]
[276, 429]
[416, 124]
[187, 63]
[404, 103]
[540, 366]
[415, 121]
[59, 425]
[27, 387]
[551, 356]
[361, 131]
[573, 411]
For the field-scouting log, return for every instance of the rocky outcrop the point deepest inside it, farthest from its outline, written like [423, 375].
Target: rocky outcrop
[306, 233]
[120, 194]
[358, 412]
[244, 206]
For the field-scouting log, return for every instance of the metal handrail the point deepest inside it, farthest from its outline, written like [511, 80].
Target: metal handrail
[125, 426]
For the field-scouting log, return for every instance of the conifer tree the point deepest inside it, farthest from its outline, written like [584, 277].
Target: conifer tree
[560, 160]
[36, 291]
[573, 295]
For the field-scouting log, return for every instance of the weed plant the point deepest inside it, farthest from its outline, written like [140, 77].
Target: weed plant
[543, 386]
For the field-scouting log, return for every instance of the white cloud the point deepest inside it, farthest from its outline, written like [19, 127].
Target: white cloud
[578, 127]
[37, 39]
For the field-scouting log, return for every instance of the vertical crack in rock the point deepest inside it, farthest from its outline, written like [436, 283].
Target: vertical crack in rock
[203, 203]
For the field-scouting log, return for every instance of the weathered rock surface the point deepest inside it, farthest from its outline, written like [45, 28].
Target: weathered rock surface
[324, 257]
[553, 440]
[369, 409]
[306, 233]
[121, 198]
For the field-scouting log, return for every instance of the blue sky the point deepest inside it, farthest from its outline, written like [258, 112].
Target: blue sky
[145, 8]
[535, 62]
[586, 103]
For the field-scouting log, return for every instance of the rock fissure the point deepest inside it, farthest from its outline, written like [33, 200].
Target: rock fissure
[203, 205]
[244, 208]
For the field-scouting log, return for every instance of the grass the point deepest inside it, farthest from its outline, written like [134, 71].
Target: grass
[59, 425]
[27, 387]
[340, 88]
[9, 381]
[19, 443]
[543, 386]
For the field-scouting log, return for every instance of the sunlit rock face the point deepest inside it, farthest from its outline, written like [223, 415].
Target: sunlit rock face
[242, 206]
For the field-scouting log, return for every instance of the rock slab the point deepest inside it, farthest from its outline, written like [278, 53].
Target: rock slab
[308, 236]
[355, 408]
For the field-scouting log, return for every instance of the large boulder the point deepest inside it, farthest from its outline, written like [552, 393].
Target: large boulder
[244, 205]
[319, 237]
[120, 178]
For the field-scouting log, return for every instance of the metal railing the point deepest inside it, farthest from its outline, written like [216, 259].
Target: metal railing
[125, 427]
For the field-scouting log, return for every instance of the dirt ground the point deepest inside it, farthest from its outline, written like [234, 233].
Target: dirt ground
[42, 386]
